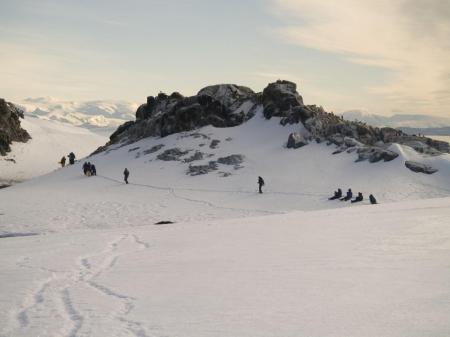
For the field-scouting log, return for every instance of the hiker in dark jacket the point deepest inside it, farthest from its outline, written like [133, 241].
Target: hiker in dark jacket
[260, 184]
[337, 195]
[63, 161]
[359, 198]
[93, 170]
[71, 158]
[85, 168]
[126, 174]
[372, 199]
[349, 195]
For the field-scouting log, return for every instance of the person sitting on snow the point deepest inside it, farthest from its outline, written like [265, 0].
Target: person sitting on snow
[372, 199]
[359, 198]
[349, 195]
[337, 195]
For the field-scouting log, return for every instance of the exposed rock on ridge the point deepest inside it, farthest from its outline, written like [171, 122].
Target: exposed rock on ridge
[228, 105]
[10, 129]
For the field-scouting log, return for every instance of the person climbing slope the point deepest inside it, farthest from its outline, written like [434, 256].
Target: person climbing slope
[260, 184]
[126, 174]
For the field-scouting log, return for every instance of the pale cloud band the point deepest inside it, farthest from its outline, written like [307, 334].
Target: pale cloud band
[409, 37]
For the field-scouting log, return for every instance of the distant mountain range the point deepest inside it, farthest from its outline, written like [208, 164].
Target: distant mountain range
[412, 124]
[102, 116]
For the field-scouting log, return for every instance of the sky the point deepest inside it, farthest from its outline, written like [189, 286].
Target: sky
[384, 56]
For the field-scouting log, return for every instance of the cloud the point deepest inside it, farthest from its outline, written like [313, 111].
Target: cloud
[408, 37]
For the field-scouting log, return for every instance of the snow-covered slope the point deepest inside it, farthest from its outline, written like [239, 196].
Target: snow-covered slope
[81, 256]
[300, 179]
[99, 116]
[50, 141]
[365, 271]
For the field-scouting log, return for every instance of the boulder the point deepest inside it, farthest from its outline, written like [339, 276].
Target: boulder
[171, 154]
[420, 168]
[195, 170]
[296, 140]
[234, 159]
[375, 154]
[280, 98]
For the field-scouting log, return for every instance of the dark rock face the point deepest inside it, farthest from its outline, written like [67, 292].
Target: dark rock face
[171, 154]
[218, 105]
[419, 167]
[234, 159]
[10, 129]
[296, 140]
[228, 105]
[195, 170]
[375, 154]
[196, 156]
[281, 99]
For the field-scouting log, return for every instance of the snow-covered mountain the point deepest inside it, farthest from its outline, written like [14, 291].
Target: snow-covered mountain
[225, 260]
[50, 141]
[102, 116]
[398, 120]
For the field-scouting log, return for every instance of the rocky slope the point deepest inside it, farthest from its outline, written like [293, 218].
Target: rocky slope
[10, 129]
[230, 105]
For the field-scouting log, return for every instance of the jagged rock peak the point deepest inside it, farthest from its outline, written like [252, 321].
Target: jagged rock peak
[227, 105]
[10, 129]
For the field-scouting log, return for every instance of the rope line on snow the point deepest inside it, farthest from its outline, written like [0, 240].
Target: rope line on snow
[164, 188]
[208, 203]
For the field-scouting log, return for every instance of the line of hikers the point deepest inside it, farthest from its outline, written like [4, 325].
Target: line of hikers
[71, 157]
[89, 169]
[349, 196]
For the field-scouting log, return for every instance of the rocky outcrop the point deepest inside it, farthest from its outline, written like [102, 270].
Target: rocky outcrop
[420, 168]
[10, 129]
[171, 154]
[229, 105]
[296, 140]
[375, 154]
[234, 159]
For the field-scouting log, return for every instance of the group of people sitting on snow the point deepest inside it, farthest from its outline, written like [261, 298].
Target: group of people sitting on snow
[89, 169]
[338, 196]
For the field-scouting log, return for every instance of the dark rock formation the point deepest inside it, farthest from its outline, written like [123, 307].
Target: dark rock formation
[153, 149]
[171, 154]
[296, 140]
[234, 159]
[419, 167]
[196, 156]
[375, 154]
[195, 170]
[214, 143]
[228, 105]
[10, 129]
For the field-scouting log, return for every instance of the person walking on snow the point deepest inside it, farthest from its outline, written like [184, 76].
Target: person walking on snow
[71, 158]
[126, 173]
[63, 161]
[260, 184]
[93, 170]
